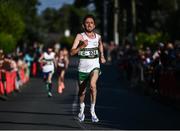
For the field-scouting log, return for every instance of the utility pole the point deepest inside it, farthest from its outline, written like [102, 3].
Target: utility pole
[124, 25]
[105, 20]
[133, 5]
[175, 5]
[116, 11]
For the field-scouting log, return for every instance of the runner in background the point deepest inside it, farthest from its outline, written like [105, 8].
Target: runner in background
[48, 61]
[66, 56]
[62, 65]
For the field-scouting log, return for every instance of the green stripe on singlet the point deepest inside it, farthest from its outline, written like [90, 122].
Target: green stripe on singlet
[89, 49]
[88, 57]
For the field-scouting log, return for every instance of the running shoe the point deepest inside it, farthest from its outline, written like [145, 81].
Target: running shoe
[81, 117]
[60, 89]
[49, 94]
[47, 87]
[94, 118]
[62, 85]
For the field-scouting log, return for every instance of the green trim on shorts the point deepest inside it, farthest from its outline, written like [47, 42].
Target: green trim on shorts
[85, 76]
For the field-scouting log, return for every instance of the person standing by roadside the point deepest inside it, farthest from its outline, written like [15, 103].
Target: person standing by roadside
[88, 45]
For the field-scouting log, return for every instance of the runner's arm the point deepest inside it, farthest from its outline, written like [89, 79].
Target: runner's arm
[76, 48]
[66, 62]
[55, 61]
[101, 51]
[41, 58]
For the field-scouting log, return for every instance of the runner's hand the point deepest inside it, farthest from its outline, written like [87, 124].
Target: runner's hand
[102, 60]
[83, 44]
[44, 62]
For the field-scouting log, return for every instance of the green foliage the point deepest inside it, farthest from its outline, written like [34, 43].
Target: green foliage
[12, 25]
[7, 42]
[17, 17]
[67, 41]
[144, 39]
[11, 22]
[67, 17]
[76, 15]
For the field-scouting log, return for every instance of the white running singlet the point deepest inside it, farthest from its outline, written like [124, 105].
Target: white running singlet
[48, 58]
[89, 56]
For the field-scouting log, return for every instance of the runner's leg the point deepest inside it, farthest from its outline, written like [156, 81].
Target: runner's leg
[93, 88]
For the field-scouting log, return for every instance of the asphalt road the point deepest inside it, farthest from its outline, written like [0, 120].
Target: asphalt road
[118, 107]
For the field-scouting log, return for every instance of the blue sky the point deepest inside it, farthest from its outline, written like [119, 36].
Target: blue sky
[53, 4]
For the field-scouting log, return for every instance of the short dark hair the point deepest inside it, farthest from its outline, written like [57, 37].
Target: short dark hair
[89, 16]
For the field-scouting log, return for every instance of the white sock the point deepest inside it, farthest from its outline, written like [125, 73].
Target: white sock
[82, 106]
[92, 108]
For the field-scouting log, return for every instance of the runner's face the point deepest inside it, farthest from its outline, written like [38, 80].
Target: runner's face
[61, 53]
[49, 50]
[89, 25]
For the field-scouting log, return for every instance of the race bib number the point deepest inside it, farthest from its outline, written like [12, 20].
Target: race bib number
[91, 53]
[49, 63]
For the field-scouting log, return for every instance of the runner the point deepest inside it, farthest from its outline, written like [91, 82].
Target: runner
[88, 45]
[48, 61]
[61, 67]
[66, 56]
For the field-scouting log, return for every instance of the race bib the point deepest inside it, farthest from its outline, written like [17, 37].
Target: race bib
[89, 53]
[48, 62]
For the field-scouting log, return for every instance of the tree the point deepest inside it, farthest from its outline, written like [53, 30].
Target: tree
[11, 25]
[7, 42]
